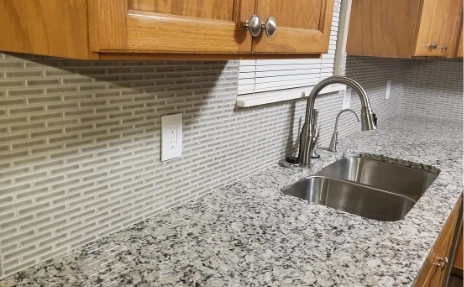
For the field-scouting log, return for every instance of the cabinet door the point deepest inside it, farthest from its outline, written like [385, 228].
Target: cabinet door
[45, 27]
[170, 26]
[456, 33]
[383, 28]
[459, 52]
[436, 24]
[303, 26]
[432, 273]
[458, 262]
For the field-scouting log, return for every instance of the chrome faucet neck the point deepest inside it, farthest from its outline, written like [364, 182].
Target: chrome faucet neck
[335, 80]
[309, 128]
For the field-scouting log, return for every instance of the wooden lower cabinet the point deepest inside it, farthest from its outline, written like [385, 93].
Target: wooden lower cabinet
[458, 261]
[433, 272]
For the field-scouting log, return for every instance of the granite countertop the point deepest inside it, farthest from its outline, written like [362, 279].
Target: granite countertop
[250, 234]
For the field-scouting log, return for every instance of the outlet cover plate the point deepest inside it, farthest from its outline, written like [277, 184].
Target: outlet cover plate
[388, 90]
[171, 137]
[346, 99]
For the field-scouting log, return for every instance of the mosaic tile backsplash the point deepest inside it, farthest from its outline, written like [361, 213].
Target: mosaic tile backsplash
[433, 88]
[80, 141]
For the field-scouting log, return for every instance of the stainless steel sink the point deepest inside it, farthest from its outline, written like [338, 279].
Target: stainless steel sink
[397, 179]
[351, 197]
[365, 187]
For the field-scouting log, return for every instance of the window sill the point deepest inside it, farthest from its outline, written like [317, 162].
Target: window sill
[257, 99]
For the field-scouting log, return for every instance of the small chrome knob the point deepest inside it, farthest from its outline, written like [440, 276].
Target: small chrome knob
[253, 25]
[434, 45]
[442, 262]
[444, 48]
[270, 26]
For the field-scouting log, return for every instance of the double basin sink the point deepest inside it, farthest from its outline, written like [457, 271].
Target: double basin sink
[365, 187]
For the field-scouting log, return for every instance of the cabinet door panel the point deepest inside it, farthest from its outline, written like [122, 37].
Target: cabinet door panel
[170, 26]
[444, 28]
[436, 24]
[459, 52]
[292, 14]
[456, 33]
[458, 260]
[303, 26]
[424, 37]
[383, 28]
[209, 9]
[142, 5]
[45, 27]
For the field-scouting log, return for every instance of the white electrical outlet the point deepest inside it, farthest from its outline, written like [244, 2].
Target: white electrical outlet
[388, 91]
[171, 137]
[346, 99]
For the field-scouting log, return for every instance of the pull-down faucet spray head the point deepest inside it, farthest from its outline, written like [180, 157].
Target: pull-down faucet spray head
[368, 119]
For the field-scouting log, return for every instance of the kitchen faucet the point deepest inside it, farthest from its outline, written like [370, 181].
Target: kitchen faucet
[334, 140]
[308, 136]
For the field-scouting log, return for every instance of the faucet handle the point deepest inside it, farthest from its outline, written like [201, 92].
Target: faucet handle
[333, 142]
[314, 120]
[314, 140]
[315, 136]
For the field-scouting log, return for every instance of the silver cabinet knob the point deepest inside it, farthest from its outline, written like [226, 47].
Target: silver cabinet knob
[434, 45]
[442, 262]
[270, 26]
[444, 48]
[253, 25]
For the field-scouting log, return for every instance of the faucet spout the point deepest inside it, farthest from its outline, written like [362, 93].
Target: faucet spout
[368, 120]
[334, 140]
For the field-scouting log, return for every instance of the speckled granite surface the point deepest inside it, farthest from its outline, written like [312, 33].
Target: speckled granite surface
[250, 234]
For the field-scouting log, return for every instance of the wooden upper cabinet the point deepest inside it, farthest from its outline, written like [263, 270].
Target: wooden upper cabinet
[45, 27]
[456, 47]
[170, 26]
[209, 26]
[383, 28]
[164, 29]
[435, 26]
[303, 26]
[404, 28]
[459, 50]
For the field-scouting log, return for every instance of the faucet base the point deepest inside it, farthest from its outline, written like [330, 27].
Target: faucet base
[292, 159]
[315, 155]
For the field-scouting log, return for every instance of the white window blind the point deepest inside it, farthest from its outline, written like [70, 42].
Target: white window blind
[292, 77]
